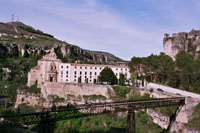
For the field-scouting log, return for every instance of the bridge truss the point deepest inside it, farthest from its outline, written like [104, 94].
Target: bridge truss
[84, 110]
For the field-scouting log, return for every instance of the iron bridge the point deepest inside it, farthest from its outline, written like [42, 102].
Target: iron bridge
[84, 110]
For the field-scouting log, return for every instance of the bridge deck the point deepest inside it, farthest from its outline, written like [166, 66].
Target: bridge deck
[84, 110]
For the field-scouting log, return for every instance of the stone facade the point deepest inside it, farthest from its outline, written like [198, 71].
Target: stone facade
[45, 71]
[51, 69]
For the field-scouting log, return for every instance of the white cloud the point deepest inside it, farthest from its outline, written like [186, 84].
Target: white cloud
[93, 25]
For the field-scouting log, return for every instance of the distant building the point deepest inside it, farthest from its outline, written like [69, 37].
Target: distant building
[51, 69]
[3, 35]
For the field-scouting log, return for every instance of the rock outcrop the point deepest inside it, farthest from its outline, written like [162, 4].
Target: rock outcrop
[61, 94]
[182, 41]
[159, 119]
[184, 115]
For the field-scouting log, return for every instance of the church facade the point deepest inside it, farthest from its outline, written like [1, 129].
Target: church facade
[51, 69]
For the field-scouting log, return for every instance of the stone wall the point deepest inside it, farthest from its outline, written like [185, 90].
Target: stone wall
[70, 93]
[64, 89]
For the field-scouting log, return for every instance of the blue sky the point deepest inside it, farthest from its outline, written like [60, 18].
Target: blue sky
[125, 28]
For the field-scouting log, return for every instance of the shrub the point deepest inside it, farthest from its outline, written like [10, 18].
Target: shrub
[121, 91]
[137, 96]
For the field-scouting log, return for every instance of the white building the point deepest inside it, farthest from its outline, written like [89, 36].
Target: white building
[51, 69]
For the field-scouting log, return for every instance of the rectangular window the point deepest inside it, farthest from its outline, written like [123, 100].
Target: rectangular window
[80, 67]
[61, 76]
[61, 66]
[90, 76]
[90, 73]
[80, 73]
[67, 67]
[75, 67]
[100, 68]
[66, 79]
[66, 76]
[74, 76]
[116, 68]
[85, 73]
[85, 67]
[74, 72]
[74, 79]
[95, 73]
[66, 72]
[61, 72]
[90, 67]
[95, 67]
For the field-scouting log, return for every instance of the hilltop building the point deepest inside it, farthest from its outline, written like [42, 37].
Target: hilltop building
[51, 69]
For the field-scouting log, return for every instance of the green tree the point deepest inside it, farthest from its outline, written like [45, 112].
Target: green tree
[135, 63]
[108, 76]
[185, 63]
[122, 79]
[133, 77]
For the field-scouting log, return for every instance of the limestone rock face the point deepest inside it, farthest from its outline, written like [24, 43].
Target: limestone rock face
[158, 118]
[13, 50]
[29, 99]
[182, 41]
[64, 50]
[184, 115]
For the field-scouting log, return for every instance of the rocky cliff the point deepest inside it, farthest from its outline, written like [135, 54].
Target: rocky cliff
[182, 41]
[62, 94]
[17, 38]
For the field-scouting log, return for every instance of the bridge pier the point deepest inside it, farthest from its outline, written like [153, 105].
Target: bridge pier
[44, 125]
[131, 122]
